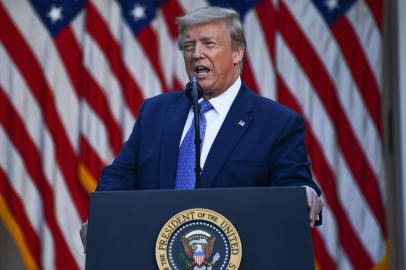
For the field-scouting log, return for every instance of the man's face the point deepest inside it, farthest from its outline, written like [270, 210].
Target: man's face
[209, 56]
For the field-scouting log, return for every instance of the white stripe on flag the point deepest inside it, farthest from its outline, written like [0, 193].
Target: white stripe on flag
[258, 56]
[68, 219]
[166, 47]
[363, 23]
[180, 71]
[77, 27]
[329, 234]
[95, 132]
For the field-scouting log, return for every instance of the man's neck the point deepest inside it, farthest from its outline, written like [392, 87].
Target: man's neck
[209, 95]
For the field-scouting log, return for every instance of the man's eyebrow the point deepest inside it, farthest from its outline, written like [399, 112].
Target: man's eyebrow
[188, 39]
[207, 38]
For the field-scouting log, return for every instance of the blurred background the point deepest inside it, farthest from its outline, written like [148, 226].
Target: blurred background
[73, 75]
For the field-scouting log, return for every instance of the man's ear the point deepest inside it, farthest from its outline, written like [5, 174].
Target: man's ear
[238, 54]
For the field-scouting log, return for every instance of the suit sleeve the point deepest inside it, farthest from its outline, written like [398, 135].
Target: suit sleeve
[122, 173]
[290, 165]
[290, 161]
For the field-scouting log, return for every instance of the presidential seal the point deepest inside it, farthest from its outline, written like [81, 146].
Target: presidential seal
[198, 239]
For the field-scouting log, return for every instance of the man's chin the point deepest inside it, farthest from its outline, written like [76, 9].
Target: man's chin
[206, 88]
[209, 92]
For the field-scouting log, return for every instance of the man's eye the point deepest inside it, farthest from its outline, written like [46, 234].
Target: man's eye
[187, 47]
[210, 44]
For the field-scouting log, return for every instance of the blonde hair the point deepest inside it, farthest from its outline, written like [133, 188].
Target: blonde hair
[214, 14]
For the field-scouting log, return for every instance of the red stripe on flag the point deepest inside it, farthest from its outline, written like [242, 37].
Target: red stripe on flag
[268, 20]
[17, 208]
[170, 10]
[31, 71]
[177, 85]
[85, 85]
[20, 138]
[348, 238]
[248, 77]
[99, 30]
[360, 69]
[376, 7]
[100, 106]
[90, 158]
[349, 146]
[148, 40]
[323, 258]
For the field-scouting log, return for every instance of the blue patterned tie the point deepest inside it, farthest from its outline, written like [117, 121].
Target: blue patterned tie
[185, 174]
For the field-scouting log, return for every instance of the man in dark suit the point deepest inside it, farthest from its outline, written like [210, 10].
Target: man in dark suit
[247, 140]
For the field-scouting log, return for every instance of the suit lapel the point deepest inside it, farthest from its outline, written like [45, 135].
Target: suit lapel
[236, 123]
[171, 135]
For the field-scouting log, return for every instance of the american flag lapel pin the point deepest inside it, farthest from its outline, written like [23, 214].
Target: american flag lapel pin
[241, 123]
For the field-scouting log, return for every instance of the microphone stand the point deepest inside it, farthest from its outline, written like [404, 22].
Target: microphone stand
[196, 110]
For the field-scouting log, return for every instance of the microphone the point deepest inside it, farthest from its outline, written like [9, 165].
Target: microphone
[189, 89]
[194, 92]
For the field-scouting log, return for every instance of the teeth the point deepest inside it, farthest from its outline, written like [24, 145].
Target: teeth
[201, 69]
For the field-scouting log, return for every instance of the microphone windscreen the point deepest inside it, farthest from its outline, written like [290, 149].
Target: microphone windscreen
[188, 90]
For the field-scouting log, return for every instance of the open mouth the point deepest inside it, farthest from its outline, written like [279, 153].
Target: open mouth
[201, 71]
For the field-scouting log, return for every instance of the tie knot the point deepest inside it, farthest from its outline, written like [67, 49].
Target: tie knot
[205, 106]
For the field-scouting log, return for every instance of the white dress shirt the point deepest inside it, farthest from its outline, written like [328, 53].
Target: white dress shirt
[214, 118]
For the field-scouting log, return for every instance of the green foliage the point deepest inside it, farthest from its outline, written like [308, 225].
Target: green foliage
[185, 263]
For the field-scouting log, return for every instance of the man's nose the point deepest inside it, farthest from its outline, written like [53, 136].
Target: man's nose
[197, 53]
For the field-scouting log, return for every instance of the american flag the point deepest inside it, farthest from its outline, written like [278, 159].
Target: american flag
[74, 73]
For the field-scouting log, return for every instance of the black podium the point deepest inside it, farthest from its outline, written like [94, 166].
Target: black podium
[272, 224]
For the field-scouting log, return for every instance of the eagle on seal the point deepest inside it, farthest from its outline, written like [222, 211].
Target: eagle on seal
[198, 251]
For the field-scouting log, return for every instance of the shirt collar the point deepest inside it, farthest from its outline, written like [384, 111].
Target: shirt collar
[222, 103]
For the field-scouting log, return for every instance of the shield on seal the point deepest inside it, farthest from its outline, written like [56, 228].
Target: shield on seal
[198, 256]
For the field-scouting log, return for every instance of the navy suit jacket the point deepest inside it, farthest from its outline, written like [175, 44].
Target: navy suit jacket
[268, 150]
